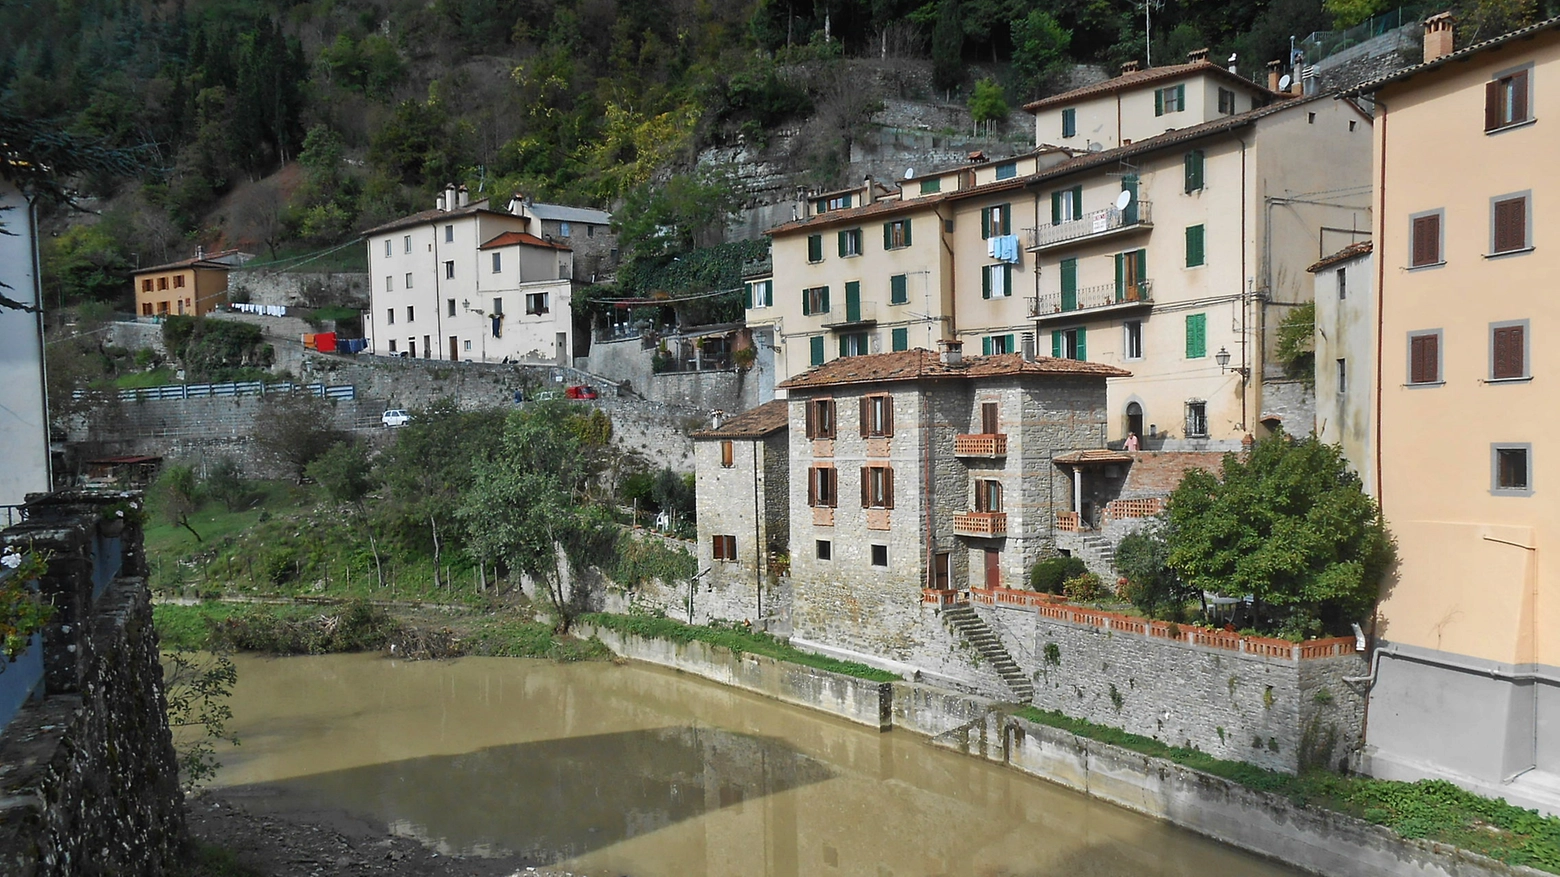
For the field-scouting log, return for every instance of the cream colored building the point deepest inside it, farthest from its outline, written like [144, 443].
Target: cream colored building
[464, 281]
[1182, 280]
[1346, 355]
[191, 287]
[1467, 685]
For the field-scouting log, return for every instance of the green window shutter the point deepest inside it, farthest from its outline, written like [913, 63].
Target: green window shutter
[1007, 279]
[1180, 97]
[825, 300]
[815, 248]
[1194, 170]
[1159, 102]
[897, 294]
[1007, 219]
[901, 339]
[842, 346]
[1119, 277]
[1194, 246]
[907, 231]
[806, 304]
[1007, 344]
[1056, 208]
[752, 291]
[1078, 201]
[841, 236]
[985, 346]
[888, 237]
[1083, 352]
[816, 344]
[985, 282]
[769, 293]
[985, 223]
[1196, 336]
[1056, 343]
[1142, 265]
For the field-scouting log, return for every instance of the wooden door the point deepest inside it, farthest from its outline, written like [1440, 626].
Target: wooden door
[993, 568]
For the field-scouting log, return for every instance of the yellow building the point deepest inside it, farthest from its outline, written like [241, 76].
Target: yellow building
[191, 288]
[1467, 685]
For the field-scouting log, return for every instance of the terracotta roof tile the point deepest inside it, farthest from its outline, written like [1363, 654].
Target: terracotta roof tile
[1343, 255]
[910, 365]
[514, 238]
[1157, 473]
[1140, 78]
[471, 209]
[207, 261]
[761, 421]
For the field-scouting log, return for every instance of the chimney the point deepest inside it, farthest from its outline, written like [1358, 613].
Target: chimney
[1438, 36]
[200, 251]
[871, 194]
[1130, 67]
[1028, 345]
[1197, 56]
[515, 204]
[952, 352]
[1273, 71]
[1234, 68]
[465, 196]
[449, 196]
[438, 202]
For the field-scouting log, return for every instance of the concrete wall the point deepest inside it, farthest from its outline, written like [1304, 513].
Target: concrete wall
[1346, 330]
[628, 362]
[855, 700]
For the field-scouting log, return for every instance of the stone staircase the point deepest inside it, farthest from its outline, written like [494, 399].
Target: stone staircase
[1098, 554]
[968, 626]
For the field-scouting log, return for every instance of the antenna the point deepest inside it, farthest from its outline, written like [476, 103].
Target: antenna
[1123, 200]
[1283, 82]
[909, 173]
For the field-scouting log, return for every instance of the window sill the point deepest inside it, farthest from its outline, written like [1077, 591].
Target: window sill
[1419, 385]
[851, 256]
[1427, 266]
[1511, 127]
[1518, 380]
[1504, 253]
[1511, 491]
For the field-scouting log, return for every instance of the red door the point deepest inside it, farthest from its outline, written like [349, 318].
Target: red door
[993, 569]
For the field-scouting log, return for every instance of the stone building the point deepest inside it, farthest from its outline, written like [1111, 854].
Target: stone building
[743, 471]
[915, 472]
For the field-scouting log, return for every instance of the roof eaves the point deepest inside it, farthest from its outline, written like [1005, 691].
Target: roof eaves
[1459, 55]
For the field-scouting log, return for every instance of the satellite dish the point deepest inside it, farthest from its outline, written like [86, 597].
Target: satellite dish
[1123, 199]
[1283, 83]
[1095, 146]
[909, 172]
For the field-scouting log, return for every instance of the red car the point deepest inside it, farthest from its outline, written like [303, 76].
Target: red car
[580, 391]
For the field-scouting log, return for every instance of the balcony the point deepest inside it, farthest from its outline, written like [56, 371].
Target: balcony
[990, 525]
[1106, 296]
[854, 314]
[984, 445]
[1096, 225]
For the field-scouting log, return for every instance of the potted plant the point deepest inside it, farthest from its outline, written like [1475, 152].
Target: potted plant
[22, 610]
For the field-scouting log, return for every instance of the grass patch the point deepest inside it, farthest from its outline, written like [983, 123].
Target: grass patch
[157, 377]
[510, 637]
[276, 629]
[1432, 809]
[738, 640]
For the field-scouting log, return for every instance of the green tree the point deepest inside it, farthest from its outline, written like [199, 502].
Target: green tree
[987, 103]
[198, 685]
[1040, 52]
[345, 472]
[177, 491]
[429, 468]
[947, 47]
[225, 483]
[296, 429]
[529, 511]
[1143, 559]
[1287, 525]
[86, 263]
[1297, 343]
[658, 219]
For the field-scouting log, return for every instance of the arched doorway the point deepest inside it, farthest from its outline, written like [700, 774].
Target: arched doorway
[1135, 420]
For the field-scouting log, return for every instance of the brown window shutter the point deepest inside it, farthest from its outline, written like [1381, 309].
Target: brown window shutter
[996, 496]
[1427, 240]
[834, 486]
[1510, 224]
[888, 415]
[718, 546]
[812, 423]
[866, 414]
[812, 486]
[1508, 353]
[888, 487]
[980, 496]
[1425, 360]
[1492, 105]
[866, 491]
[1519, 96]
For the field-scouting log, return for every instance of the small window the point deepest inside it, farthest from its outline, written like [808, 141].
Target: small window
[855, 344]
[901, 339]
[850, 242]
[162, 283]
[1511, 470]
[1170, 100]
[1508, 351]
[1509, 224]
[1424, 358]
[820, 418]
[988, 495]
[406, 243]
[728, 455]
[996, 281]
[1194, 246]
[931, 186]
[1506, 101]
[1132, 343]
[1425, 231]
[823, 487]
[996, 220]
[1343, 377]
[1196, 336]
[392, 345]
[761, 294]
[815, 350]
[564, 230]
[1070, 343]
[146, 285]
[823, 549]
[449, 306]
[449, 234]
[896, 234]
[724, 548]
[390, 316]
[1067, 205]
[449, 270]
[536, 303]
[498, 307]
[410, 313]
[590, 231]
[1069, 122]
[1197, 420]
[880, 555]
[498, 263]
[178, 281]
[467, 344]
[877, 487]
[898, 291]
[408, 280]
[877, 415]
[387, 248]
[815, 248]
[1192, 164]
[1343, 283]
[996, 345]
[815, 300]
[389, 283]
[990, 418]
[1007, 170]
[1226, 102]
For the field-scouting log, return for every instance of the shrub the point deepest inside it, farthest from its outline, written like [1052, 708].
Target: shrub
[1143, 560]
[1084, 588]
[1049, 575]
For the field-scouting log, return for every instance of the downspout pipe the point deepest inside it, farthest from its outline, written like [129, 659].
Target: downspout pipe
[1381, 277]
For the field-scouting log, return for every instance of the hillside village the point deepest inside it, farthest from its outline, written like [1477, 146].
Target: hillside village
[934, 420]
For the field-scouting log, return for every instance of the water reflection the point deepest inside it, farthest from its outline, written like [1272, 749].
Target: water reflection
[628, 770]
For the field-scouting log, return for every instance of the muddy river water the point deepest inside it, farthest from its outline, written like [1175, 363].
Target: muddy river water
[631, 770]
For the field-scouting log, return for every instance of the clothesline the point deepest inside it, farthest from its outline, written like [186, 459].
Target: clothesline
[262, 310]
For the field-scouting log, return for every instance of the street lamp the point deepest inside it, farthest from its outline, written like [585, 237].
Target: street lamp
[1223, 359]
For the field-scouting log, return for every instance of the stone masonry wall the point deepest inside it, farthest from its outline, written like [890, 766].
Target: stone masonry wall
[1278, 713]
[299, 288]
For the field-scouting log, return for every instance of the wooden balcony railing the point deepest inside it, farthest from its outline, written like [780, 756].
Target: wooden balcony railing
[980, 445]
[988, 524]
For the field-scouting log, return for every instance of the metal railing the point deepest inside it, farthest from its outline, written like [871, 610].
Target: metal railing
[1324, 43]
[233, 388]
[1095, 222]
[1091, 297]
